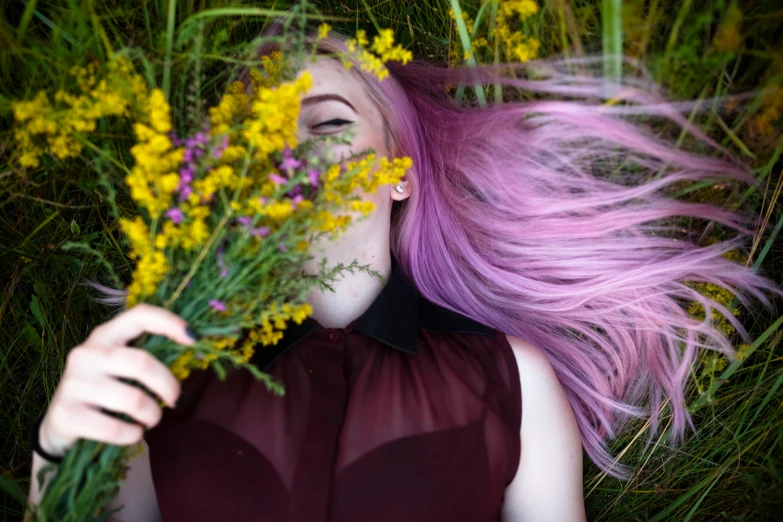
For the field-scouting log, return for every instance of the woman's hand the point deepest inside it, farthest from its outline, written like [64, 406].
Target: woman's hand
[89, 382]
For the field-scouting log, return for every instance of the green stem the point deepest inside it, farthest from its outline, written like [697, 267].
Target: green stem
[498, 90]
[199, 259]
[106, 156]
[169, 45]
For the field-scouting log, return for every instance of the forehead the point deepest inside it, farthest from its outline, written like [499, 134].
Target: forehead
[330, 76]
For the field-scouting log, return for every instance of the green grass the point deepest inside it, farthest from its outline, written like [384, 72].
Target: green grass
[731, 469]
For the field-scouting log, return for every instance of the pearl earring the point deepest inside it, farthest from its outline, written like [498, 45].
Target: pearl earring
[400, 189]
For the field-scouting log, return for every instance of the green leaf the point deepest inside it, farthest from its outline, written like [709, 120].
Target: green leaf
[75, 230]
[12, 488]
[31, 334]
[36, 310]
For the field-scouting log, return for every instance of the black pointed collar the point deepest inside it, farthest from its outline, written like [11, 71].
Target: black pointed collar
[394, 319]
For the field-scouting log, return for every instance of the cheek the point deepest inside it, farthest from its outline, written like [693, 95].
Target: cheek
[380, 197]
[365, 139]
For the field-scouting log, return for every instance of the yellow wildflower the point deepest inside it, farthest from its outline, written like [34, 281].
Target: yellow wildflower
[275, 115]
[277, 210]
[169, 236]
[154, 179]
[328, 222]
[517, 46]
[39, 122]
[151, 265]
[384, 49]
[719, 295]
[273, 321]
[525, 51]
[522, 8]
[272, 65]
[714, 363]
[744, 351]
[233, 104]
[150, 270]
[180, 367]
[383, 42]
[323, 31]
[728, 37]
[365, 207]
[233, 153]
[764, 122]
[196, 230]
[138, 234]
[223, 176]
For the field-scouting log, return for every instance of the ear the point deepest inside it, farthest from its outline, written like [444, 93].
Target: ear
[406, 190]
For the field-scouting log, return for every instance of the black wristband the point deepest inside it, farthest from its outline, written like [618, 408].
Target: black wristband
[37, 444]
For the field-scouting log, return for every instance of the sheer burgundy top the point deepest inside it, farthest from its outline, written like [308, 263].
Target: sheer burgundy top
[410, 413]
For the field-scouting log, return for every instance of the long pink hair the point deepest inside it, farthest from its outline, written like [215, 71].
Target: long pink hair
[517, 220]
[548, 220]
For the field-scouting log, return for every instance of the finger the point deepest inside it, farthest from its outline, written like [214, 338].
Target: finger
[94, 425]
[95, 362]
[119, 397]
[142, 318]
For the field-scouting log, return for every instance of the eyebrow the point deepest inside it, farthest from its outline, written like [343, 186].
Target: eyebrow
[326, 97]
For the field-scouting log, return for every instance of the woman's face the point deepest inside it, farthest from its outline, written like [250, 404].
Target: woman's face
[338, 101]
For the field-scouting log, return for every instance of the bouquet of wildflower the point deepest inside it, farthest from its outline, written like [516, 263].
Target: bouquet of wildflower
[226, 213]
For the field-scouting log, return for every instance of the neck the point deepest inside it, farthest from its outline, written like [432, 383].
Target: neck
[353, 292]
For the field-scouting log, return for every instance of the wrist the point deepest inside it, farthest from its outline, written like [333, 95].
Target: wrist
[43, 446]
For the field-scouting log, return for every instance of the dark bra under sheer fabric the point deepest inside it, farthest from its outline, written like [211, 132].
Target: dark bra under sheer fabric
[364, 432]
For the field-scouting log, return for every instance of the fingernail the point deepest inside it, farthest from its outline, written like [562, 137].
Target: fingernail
[192, 333]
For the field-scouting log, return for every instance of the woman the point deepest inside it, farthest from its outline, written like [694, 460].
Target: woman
[404, 401]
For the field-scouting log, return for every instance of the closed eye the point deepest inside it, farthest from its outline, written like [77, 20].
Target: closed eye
[336, 122]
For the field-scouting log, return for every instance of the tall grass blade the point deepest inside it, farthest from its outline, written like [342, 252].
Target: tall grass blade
[466, 44]
[612, 25]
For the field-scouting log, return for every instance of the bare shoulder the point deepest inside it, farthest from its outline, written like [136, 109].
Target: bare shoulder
[548, 484]
[527, 353]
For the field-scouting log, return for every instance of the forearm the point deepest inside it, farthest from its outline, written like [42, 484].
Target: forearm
[36, 493]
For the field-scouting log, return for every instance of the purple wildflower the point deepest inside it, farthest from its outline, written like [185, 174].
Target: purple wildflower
[185, 192]
[175, 215]
[296, 200]
[261, 231]
[200, 356]
[313, 174]
[218, 306]
[186, 174]
[245, 220]
[282, 247]
[277, 179]
[290, 163]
